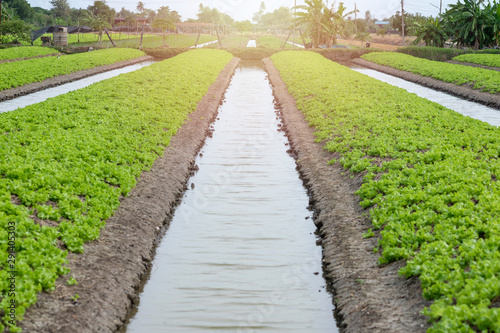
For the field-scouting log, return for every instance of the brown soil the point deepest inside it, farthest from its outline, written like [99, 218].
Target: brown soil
[473, 65]
[369, 298]
[111, 269]
[61, 79]
[491, 100]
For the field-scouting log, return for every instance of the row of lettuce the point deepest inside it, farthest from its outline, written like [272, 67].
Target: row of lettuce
[19, 73]
[68, 160]
[431, 181]
[491, 60]
[26, 52]
[477, 78]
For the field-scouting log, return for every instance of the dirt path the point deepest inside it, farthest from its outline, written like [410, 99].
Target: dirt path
[369, 298]
[110, 270]
[62, 79]
[491, 100]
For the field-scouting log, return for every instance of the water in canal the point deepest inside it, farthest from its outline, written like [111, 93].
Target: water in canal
[240, 254]
[40, 96]
[462, 106]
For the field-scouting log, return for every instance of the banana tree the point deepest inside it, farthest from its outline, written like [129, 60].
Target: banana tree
[334, 22]
[432, 32]
[472, 22]
[311, 17]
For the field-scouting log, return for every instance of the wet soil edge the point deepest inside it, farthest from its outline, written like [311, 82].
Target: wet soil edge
[368, 298]
[470, 64]
[62, 79]
[111, 269]
[464, 92]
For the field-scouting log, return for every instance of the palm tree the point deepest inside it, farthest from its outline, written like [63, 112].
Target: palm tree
[140, 7]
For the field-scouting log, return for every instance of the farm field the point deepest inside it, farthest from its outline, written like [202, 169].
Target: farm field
[68, 161]
[272, 42]
[429, 182]
[35, 70]
[25, 52]
[132, 40]
[492, 60]
[85, 38]
[476, 78]
[429, 175]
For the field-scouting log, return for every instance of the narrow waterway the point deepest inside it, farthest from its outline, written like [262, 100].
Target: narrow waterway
[40, 96]
[240, 254]
[462, 106]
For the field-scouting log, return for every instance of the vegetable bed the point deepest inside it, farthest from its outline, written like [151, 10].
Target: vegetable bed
[492, 60]
[431, 183]
[477, 78]
[19, 73]
[25, 52]
[66, 162]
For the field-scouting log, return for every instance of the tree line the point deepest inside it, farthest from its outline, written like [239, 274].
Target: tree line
[468, 23]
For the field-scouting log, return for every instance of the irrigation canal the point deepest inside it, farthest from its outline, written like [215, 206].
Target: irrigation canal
[462, 106]
[240, 254]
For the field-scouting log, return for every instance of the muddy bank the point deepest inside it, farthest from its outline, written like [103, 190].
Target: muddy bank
[111, 269]
[62, 79]
[473, 65]
[369, 298]
[464, 92]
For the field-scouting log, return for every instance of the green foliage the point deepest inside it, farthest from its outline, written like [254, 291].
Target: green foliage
[472, 23]
[273, 42]
[165, 53]
[19, 73]
[431, 31]
[68, 161]
[14, 31]
[21, 8]
[431, 52]
[381, 32]
[431, 180]
[477, 78]
[323, 24]
[492, 60]
[251, 53]
[25, 52]
[243, 26]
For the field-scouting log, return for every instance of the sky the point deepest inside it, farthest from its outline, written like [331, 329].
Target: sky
[244, 9]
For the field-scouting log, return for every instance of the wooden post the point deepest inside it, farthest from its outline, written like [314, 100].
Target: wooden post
[142, 34]
[197, 39]
[107, 33]
[302, 36]
[403, 21]
[286, 41]
[220, 42]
